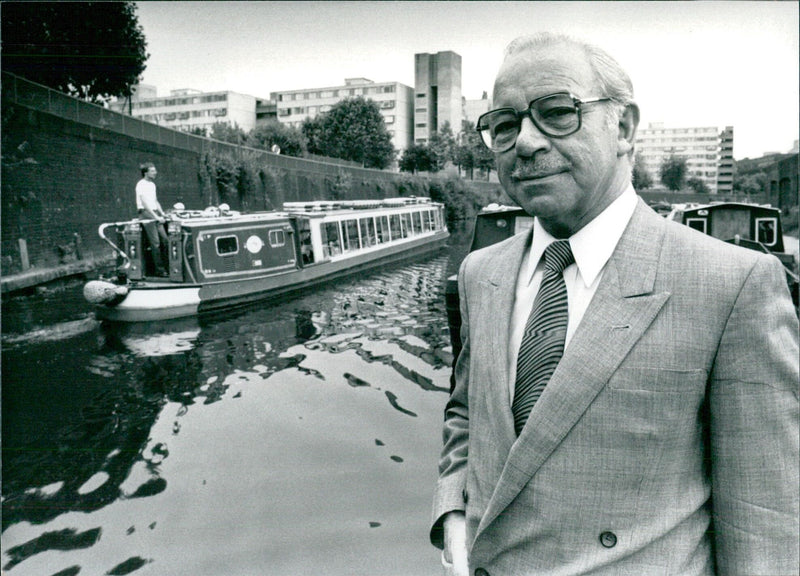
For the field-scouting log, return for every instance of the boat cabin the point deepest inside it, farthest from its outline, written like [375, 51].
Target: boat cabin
[216, 244]
[727, 220]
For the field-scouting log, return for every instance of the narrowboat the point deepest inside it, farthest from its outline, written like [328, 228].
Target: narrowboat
[754, 226]
[220, 258]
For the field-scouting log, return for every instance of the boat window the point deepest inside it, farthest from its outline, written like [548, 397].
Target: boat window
[333, 245]
[426, 220]
[697, 224]
[394, 221]
[383, 229]
[227, 245]
[350, 235]
[277, 238]
[765, 231]
[416, 218]
[405, 225]
[367, 232]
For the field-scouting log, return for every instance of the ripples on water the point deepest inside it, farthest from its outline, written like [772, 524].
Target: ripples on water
[297, 438]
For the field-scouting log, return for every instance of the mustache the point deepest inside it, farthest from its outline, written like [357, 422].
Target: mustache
[526, 169]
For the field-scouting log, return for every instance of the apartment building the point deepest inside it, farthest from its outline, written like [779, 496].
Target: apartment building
[437, 94]
[394, 99]
[708, 152]
[474, 108]
[188, 109]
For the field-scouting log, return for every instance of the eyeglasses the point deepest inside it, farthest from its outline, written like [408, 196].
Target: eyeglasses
[556, 115]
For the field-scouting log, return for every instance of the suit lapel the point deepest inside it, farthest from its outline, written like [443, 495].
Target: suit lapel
[621, 310]
[502, 282]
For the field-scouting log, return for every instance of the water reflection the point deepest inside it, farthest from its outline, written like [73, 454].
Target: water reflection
[95, 415]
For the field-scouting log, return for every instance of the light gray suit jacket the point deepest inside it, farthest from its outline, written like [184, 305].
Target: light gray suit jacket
[666, 441]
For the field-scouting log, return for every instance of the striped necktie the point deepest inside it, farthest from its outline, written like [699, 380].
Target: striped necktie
[543, 340]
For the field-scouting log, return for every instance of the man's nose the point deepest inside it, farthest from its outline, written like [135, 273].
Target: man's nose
[530, 139]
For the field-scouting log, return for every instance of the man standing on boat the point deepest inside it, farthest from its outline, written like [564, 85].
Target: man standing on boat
[626, 398]
[150, 210]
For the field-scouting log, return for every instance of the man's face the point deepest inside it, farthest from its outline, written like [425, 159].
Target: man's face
[565, 181]
[151, 173]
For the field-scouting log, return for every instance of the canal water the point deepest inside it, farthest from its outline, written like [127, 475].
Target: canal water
[293, 438]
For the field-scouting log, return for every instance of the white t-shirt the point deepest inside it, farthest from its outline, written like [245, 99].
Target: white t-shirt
[146, 196]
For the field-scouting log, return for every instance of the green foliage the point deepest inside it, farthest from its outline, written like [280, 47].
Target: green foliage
[290, 140]
[354, 130]
[641, 177]
[341, 186]
[411, 186]
[312, 129]
[197, 131]
[753, 183]
[441, 145]
[224, 132]
[92, 50]
[470, 153]
[416, 158]
[461, 201]
[698, 185]
[673, 172]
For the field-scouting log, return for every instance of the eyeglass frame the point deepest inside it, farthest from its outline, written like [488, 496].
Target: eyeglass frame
[521, 114]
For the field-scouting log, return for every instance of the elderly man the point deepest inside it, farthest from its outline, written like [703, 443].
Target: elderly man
[626, 401]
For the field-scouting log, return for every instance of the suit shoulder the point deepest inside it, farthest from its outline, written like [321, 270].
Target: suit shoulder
[704, 249]
[481, 258]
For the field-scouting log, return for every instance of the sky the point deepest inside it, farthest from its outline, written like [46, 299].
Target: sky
[706, 63]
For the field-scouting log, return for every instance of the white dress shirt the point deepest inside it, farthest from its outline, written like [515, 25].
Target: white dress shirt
[592, 246]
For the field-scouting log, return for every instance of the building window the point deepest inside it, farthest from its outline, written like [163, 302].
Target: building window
[388, 119]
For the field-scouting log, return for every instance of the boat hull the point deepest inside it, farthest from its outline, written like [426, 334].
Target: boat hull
[153, 301]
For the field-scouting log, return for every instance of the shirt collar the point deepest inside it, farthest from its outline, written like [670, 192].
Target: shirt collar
[593, 244]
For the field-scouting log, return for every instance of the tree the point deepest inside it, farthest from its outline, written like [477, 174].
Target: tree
[754, 183]
[312, 129]
[442, 147]
[417, 158]
[673, 172]
[641, 177]
[354, 130]
[290, 140]
[698, 185]
[224, 132]
[92, 50]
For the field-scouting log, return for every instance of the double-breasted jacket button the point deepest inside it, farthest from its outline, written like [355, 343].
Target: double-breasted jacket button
[481, 572]
[608, 539]
[465, 495]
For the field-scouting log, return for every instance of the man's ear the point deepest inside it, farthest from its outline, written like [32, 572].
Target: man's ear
[628, 123]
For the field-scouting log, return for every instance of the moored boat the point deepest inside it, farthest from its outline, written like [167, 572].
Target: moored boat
[220, 258]
[754, 226]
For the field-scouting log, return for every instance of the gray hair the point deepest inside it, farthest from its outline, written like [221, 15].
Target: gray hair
[613, 80]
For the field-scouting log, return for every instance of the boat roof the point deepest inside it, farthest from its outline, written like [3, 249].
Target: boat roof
[223, 215]
[722, 204]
